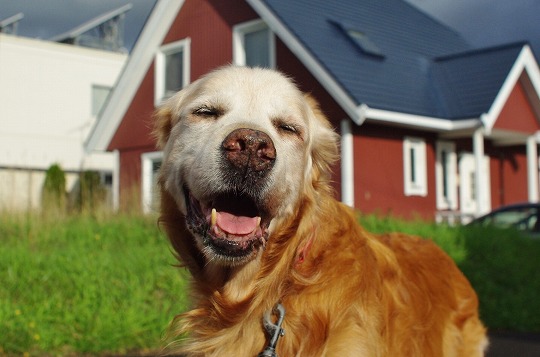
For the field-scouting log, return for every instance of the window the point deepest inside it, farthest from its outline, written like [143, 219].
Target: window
[99, 97]
[253, 45]
[151, 162]
[414, 167]
[360, 39]
[172, 69]
[445, 173]
[364, 43]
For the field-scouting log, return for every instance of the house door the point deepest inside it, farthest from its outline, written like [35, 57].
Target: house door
[468, 190]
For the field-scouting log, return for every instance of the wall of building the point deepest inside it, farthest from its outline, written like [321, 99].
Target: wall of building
[508, 175]
[46, 111]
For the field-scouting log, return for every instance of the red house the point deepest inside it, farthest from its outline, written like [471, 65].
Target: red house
[429, 125]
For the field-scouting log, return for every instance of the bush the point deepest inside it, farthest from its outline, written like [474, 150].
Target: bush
[92, 193]
[54, 189]
[504, 268]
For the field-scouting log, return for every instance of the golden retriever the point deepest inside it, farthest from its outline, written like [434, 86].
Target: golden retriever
[248, 208]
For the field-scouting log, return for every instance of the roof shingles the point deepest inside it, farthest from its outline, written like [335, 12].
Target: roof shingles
[417, 72]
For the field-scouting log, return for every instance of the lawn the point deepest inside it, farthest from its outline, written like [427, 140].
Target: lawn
[107, 285]
[85, 285]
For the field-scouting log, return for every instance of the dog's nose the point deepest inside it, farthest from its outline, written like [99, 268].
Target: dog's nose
[249, 150]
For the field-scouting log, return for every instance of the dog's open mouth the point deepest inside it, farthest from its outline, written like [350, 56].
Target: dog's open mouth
[233, 226]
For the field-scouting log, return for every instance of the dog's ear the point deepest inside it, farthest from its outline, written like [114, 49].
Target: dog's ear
[163, 124]
[324, 142]
[166, 116]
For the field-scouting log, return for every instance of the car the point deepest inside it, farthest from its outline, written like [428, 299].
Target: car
[524, 217]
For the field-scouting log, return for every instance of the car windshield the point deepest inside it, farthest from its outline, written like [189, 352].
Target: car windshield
[523, 218]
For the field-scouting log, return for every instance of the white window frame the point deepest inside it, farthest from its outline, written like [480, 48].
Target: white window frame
[239, 32]
[417, 167]
[160, 67]
[95, 111]
[450, 200]
[147, 179]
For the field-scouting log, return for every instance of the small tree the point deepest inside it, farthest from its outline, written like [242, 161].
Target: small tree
[53, 195]
[92, 193]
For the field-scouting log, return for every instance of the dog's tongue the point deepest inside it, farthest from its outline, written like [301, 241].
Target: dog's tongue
[237, 225]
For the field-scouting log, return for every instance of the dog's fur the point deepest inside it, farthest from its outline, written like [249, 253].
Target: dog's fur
[346, 292]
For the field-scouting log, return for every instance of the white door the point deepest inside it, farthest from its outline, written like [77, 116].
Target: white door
[468, 190]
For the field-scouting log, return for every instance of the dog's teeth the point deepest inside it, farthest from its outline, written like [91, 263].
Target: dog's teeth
[213, 218]
[258, 222]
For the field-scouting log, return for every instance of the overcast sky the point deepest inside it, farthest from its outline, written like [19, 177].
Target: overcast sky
[482, 22]
[47, 18]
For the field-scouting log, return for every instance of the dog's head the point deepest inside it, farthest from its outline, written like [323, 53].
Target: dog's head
[241, 146]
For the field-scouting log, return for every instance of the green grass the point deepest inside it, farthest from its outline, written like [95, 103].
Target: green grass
[81, 285]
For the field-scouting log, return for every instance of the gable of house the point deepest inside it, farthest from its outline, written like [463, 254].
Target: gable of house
[518, 113]
[422, 96]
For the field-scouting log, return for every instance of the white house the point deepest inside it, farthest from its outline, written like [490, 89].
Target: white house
[50, 95]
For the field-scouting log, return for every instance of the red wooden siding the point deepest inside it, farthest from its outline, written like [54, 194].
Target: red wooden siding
[508, 176]
[378, 173]
[209, 25]
[134, 130]
[517, 113]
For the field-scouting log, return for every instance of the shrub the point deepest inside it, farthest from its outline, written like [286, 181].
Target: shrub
[503, 266]
[92, 193]
[54, 189]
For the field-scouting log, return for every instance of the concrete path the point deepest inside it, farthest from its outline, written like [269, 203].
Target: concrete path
[514, 345]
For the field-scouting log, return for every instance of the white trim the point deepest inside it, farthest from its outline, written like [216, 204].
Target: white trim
[239, 32]
[482, 175]
[416, 121]
[471, 204]
[183, 45]
[316, 69]
[414, 166]
[524, 62]
[450, 200]
[532, 168]
[116, 181]
[129, 81]
[147, 182]
[347, 163]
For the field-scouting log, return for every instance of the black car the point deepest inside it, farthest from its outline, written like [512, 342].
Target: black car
[524, 217]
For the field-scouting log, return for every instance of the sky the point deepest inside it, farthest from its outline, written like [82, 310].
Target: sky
[44, 19]
[482, 23]
[486, 23]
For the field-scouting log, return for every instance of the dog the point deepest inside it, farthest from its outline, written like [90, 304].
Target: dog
[247, 204]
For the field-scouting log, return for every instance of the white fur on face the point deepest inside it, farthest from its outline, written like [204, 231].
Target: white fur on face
[248, 98]
[206, 112]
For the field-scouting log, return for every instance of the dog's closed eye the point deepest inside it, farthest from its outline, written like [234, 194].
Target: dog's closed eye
[208, 112]
[287, 127]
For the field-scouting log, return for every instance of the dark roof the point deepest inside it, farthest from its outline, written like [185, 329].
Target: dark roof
[389, 55]
[467, 83]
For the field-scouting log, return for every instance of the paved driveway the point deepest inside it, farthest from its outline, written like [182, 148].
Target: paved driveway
[513, 345]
